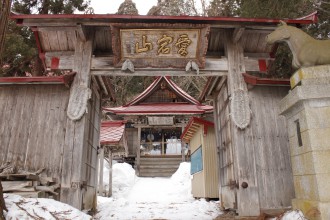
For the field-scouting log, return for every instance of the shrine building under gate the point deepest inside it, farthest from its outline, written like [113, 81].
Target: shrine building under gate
[155, 121]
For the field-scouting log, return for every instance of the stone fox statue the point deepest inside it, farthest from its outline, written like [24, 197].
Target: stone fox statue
[306, 50]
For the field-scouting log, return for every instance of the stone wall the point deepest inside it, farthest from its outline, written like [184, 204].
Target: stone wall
[307, 109]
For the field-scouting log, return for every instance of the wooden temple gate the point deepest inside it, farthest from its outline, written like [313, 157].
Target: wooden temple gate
[96, 46]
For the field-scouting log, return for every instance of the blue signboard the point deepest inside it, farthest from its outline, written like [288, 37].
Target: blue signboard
[196, 161]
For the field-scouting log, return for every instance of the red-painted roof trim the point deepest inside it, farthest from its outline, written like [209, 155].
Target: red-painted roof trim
[145, 92]
[155, 83]
[157, 112]
[113, 123]
[198, 121]
[181, 91]
[265, 81]
[64, 79]
[312, 18]
[40, 51]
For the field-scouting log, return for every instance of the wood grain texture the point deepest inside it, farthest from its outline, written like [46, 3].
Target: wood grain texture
[225, 148]
[79, 156]
[248, 198]
[27, 138]
[76, 134]
[138, 152]
[270, 141]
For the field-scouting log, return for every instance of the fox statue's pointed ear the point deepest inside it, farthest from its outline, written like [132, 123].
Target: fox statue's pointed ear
[282, 23]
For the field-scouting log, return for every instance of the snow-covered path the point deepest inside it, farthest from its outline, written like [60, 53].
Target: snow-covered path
[157, 198]
[133, 198]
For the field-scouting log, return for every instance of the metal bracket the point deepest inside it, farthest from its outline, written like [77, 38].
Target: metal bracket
[79, 185]
[128, 66]
[233, 184]
[191, 65]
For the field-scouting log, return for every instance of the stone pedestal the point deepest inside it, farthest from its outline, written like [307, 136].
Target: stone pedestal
[307, 109]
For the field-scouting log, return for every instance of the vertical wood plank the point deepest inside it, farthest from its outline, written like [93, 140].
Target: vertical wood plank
[271, 146]
[32, 145]
[248, 198]
[8, 98]
[137, 171]
[110, 172]
[101, 162]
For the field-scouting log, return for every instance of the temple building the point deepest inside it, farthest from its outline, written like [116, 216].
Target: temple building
[155, 121]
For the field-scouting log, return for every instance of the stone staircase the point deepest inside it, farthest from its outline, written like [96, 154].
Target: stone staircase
[159, 166]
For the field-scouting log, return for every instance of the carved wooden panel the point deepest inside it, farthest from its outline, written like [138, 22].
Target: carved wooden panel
[159, 45]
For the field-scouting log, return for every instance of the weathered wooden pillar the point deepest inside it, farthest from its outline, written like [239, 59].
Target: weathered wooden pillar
[247, 193]
[183, 148]
[2, 204]
[138, 144]
[101, 165]
[110, 173]
[73, 165]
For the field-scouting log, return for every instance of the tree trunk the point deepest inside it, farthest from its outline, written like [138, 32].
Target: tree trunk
[2, 204]
[4, 14]
[45, 7]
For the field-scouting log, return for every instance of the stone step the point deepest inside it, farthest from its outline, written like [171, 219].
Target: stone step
[159, 163]
[159, 166]
[158, 170]
[156, 175]
[161, 159]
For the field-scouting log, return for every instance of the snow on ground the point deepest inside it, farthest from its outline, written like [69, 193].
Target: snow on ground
[133, 198]
[24, 208]
[154, 198]
[293, 215]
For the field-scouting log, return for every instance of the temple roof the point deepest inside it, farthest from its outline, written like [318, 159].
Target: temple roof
[171, 100]
[193, 125]
[112, 132]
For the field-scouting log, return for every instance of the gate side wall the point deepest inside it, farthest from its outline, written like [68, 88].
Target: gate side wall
[32, 126]
[267, 137]
[267, 134]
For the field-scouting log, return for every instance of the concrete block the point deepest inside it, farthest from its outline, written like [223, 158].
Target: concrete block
[317, 117]
[313, 210]
[314, 72]
[295, 149]
[316, 81]
[319, 138]
[292, 125]
[324, 208]
[313, 162]
[312, 187]
[303, 164]
[321, 161]
[306, 187]
[323, 183]
[302, 95]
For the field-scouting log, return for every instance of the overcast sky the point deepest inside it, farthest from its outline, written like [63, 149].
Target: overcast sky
[111, 6]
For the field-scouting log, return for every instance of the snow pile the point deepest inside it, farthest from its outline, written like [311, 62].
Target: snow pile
[31, 208]
[181, 181]
[293, 215]
[106, 169]
[154, 198]
[123, 178]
